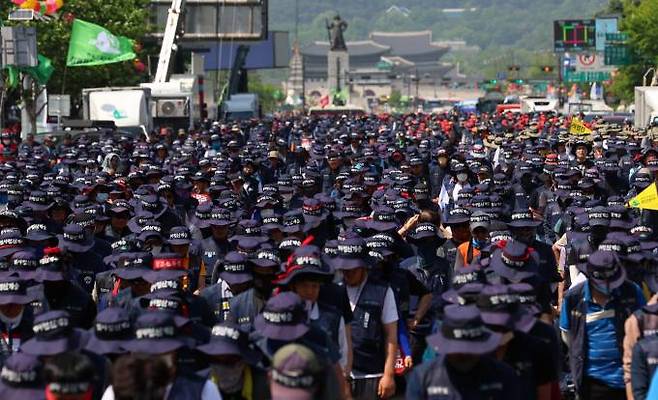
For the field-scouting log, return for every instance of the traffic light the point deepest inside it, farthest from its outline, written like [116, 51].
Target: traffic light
[547, 68]
[514, 68]
[519, 81]
[204, 110]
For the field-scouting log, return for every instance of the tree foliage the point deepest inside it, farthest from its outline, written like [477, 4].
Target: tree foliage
[122, 17]
[640, 22]
[267, 93]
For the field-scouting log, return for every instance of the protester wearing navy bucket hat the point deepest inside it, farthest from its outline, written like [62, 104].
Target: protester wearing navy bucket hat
[24, 264]
[523, 227]
[233, 364]
[284, 320]
[16, 316]
[606, 288]
[307, 275]
[234, 276]
[464, 343]
[127, 280]
[374, 348]
[157, 335]
[264, 266]
[180, 241]
[216, 245]
[21, 378]
[526, 354]
[78, 246]
[11, 241]
[112, 328]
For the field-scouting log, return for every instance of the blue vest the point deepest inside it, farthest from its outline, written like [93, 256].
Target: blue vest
[210, 253]
[220, 305]
[187, 387]
[645, 360]
[492, 381]
[244, 308]
[625, 304]
[368, 339]
[647, 320]
[329, 321]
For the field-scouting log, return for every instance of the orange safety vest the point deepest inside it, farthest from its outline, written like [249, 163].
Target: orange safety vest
[468, 252]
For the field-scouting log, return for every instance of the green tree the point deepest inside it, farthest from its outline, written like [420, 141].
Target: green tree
[395, 98]
[267, 93]
[122, 17]
[640, 22]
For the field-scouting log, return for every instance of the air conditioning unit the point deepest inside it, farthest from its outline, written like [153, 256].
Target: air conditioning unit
[168, 108]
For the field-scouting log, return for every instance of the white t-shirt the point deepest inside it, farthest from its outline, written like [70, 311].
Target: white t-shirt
[209, 392]
[389, 309]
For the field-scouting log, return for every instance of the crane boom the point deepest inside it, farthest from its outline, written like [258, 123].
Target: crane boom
[174, 21]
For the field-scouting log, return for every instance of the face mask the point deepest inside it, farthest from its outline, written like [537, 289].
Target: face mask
[462, 177]
[230, 377]
[11, 322]
[156, 249]
[463, 362]
[602, 289]
[102, 197]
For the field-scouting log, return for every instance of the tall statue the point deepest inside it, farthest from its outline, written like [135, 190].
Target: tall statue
[336, 29]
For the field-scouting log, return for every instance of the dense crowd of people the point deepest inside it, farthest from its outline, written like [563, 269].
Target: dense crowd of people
[443, 256]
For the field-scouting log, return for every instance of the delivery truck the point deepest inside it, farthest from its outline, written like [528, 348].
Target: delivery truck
[646, 106]
[128, 107]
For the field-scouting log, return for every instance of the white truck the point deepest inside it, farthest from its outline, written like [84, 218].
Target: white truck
[538, 104]
[646, 106]
[128, 107]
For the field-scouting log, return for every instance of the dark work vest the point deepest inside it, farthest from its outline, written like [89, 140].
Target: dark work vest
[211, 252]
[244, 308]
[648, 348]
[399, 281]
[625, 304]
[647, 320]
[368, 339]
[220, 305]
[329, 321]
[187, 388]
[488, 380]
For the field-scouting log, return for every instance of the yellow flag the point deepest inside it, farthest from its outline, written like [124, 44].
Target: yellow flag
[578, 128]
[647, 199]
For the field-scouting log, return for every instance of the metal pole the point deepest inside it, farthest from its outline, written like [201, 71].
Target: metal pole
[296, 20]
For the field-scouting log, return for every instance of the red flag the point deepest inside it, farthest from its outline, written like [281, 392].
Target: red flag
[324, 101]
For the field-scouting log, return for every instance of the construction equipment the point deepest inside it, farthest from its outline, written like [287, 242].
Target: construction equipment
[173, 31]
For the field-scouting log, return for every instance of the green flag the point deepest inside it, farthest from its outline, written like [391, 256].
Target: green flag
[43, 71]
[94, 45]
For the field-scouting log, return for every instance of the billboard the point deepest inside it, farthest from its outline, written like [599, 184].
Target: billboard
[574, 35]
[207, 20]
